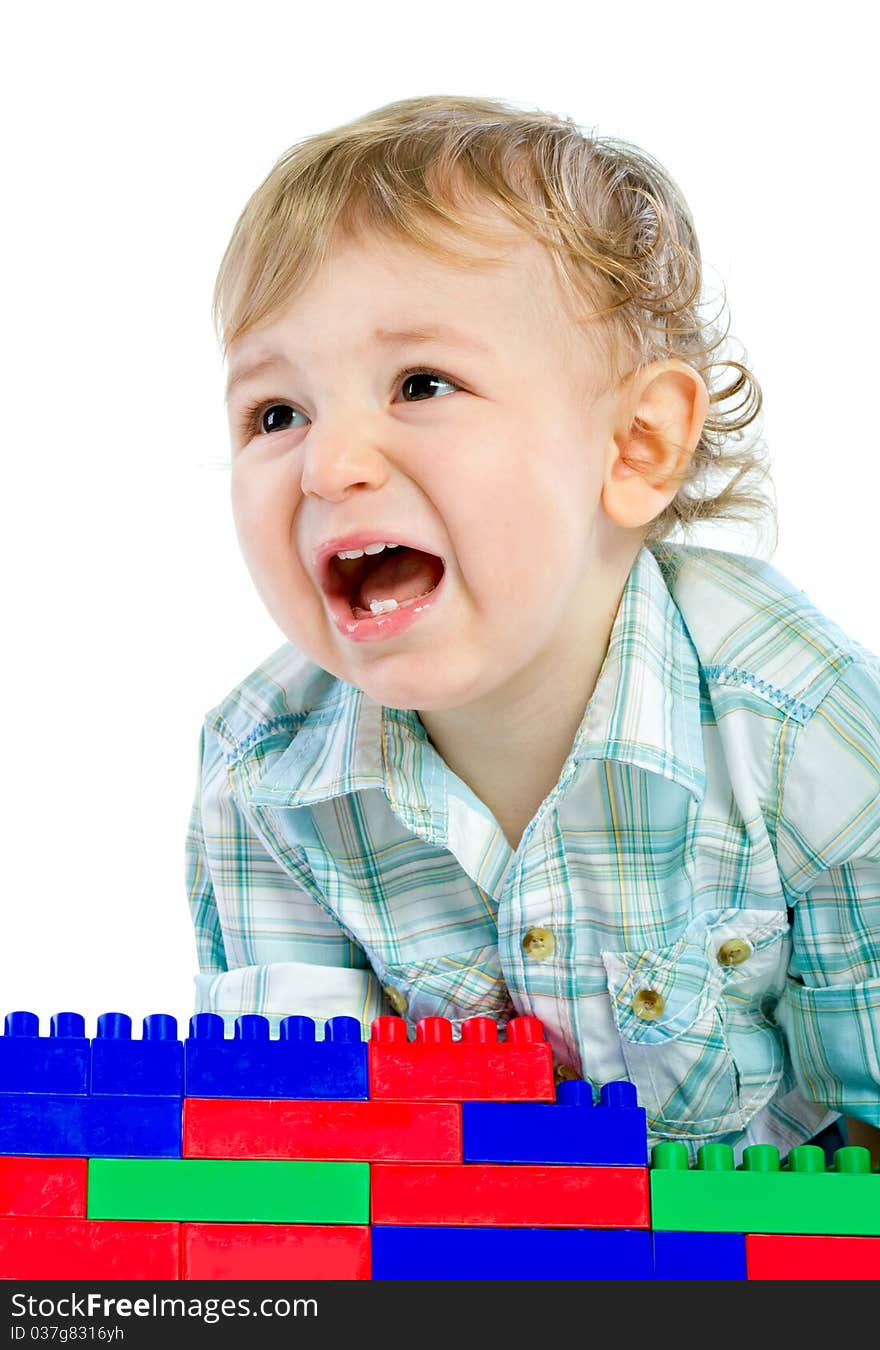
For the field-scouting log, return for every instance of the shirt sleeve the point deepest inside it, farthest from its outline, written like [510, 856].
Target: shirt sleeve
[247, 911]
[828, 849]
[200, 886]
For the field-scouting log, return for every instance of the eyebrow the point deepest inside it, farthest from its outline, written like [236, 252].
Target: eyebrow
[387, 337]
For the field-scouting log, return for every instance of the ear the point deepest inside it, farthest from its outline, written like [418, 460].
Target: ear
[662, 413]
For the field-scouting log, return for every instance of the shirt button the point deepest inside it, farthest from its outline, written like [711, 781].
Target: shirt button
[733, 952]
[648, 1004]
[539, 943]
[396, 999]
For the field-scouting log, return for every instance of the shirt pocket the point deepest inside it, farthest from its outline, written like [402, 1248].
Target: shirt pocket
[457, 986]
[694, 1020]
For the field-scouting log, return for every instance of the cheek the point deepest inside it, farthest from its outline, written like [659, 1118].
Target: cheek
[243, 499]
[524, 527]
[262, 512]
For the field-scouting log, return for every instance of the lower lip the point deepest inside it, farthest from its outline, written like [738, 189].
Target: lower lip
[380, 626]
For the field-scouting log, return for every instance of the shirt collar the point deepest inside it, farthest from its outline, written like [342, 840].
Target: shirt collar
[645, 708]
[645, 711]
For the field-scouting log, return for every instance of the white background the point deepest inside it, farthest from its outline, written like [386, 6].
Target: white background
[132, 138]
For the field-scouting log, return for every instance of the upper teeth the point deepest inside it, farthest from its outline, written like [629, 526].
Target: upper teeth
[370, 548]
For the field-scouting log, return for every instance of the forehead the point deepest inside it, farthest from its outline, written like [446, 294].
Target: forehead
[369, 283]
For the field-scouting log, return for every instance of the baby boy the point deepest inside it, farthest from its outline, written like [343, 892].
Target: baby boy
[521, 752]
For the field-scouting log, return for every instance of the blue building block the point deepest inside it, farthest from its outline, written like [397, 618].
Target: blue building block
[413, 1253]
[571, 1130]
[150, 1067]
[294, 1065]
[30, 1062]
[62, 1125]
[699, 1256]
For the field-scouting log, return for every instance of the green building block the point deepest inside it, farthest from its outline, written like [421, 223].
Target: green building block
[227, 1191]
[761, 1197]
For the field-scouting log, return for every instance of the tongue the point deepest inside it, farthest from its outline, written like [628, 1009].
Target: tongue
[401, 575]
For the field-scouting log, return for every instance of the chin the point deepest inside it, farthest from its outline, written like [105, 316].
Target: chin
[428, 692]
[392, 694]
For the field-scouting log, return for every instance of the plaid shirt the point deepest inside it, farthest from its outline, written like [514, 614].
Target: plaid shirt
[695, 906]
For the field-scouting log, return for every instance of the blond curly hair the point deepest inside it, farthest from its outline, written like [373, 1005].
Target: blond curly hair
[615, 223]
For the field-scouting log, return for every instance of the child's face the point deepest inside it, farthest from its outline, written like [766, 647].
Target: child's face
[496, 465]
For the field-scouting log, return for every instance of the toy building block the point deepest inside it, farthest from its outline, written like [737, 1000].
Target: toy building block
[50, 1125]
[509, 1196]
[699, 1256]
[805, 1257]
[572, 1130]
[510, 1254]
[347, 1130]
[43, 1187]
[275, 1251]
[760, 1197]
[150, 1067]
[229, 1191]
[291, 1065]
[478, 1067]
[30, 1062]
[79, 1249]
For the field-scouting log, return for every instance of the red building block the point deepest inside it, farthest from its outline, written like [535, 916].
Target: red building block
[88, 1249]
[478, 1067]
[275, 1251]
[321, 1130]
[44, 1187]
[508, 1195]
[796, 1257]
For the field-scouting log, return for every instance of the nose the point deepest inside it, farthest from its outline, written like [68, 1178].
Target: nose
[340, 457]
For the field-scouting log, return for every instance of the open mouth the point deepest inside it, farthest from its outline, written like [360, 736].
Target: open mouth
[380, 583]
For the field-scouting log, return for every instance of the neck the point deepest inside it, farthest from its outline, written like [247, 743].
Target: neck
[510, 748]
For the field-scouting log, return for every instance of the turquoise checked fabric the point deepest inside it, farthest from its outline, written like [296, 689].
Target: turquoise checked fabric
[707, 866]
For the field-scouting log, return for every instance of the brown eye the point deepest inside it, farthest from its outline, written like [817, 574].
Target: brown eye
[274, 417]
[264, 418]
[424, 382]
